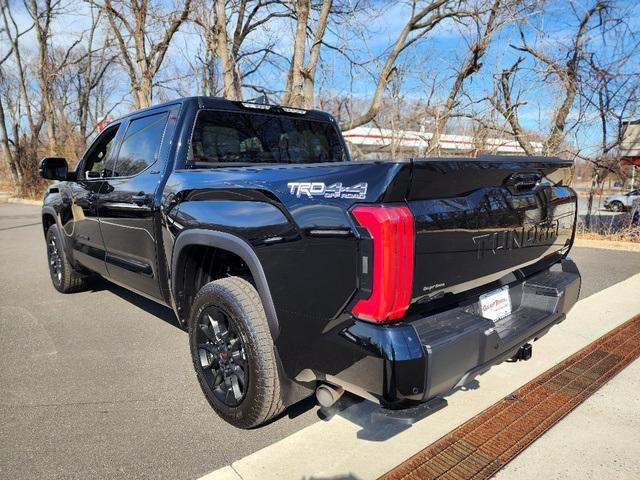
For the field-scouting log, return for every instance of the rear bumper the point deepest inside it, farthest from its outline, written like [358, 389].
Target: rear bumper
[417, 361]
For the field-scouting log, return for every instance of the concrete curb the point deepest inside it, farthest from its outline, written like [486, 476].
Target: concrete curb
[349, 445]
[23, 201]
[608, 244]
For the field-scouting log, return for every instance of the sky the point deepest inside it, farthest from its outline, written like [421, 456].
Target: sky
[368, 35]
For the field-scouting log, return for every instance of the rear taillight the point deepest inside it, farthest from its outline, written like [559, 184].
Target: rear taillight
[391, 231]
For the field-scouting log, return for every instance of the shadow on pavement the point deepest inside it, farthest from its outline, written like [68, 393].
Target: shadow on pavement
[362, 413]
[99, 284]
[348, 476]
[375, 426]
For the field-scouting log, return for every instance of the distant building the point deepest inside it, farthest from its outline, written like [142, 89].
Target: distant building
[373, 142]
[630, 144]
[630, 147]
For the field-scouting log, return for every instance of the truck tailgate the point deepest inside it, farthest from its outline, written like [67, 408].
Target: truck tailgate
[477, 220]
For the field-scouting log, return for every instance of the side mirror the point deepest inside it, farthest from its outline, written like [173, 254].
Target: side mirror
[54, 168]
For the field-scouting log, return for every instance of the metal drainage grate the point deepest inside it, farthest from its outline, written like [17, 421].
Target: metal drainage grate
[486, 443]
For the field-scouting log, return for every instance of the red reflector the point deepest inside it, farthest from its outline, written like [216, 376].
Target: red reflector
[391, 229]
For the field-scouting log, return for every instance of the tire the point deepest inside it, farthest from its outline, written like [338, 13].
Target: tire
[617, 206]
[229, 337]
[64, 277]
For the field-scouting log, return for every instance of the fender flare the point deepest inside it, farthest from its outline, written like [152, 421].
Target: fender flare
[237, 246]
[49, 210]
[66, 243]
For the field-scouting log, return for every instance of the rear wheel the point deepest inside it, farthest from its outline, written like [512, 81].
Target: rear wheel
[64, 277]
[617, 206]
[233, 353]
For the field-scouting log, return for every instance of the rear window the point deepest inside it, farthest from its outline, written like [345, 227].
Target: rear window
[221, 137]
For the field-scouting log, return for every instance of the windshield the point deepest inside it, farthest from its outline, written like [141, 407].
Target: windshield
[221, 137]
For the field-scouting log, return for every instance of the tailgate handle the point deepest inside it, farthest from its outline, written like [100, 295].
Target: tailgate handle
[519, 183]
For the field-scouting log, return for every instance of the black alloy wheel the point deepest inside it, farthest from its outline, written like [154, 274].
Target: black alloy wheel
[222, 356]
[233, 353]
[64, 277]
[55, 260]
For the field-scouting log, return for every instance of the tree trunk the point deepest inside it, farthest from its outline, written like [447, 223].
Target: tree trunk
[83, 114]
[14, 168]
[142, 94]
[556, 136]
[293, 95]
[309, 72]
[46, 74]
[229, 84]
[49, 117]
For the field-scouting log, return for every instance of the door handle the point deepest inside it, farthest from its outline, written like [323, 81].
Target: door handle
[139, 199]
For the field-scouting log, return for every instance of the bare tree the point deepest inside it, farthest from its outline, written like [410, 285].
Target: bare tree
[311, 66]
[13, 37]
[133, 21]
[485, 24]
[42, 13]
[613, 91]
[230, 76]
[421, 21]
[300, 88]
[55, 88]
[5, 148]
[91, 68]
[566, 72]
[225, 27]
[505, 103]
[13, 34]
[293, 94]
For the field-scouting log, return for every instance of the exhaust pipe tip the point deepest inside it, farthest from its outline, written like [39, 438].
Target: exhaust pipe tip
[327, 395]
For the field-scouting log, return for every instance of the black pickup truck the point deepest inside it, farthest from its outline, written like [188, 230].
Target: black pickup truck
[297, 270]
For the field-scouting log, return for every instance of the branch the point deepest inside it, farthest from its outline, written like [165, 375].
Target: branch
[161, 48]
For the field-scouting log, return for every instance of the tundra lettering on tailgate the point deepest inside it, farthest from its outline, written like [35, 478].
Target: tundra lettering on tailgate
[506, 240]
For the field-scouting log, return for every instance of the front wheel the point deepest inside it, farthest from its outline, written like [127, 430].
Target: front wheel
[233, 353]
[64, 277]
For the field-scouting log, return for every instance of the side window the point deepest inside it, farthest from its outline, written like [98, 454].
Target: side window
[95, 165]
[140, 145]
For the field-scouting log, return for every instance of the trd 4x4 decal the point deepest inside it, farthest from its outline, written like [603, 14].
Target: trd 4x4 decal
[335, 190]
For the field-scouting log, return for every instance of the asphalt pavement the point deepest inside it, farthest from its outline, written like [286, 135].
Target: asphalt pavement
[99, 384]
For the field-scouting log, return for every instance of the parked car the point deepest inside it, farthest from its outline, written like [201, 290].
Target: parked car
[622, 201]
[296, 270]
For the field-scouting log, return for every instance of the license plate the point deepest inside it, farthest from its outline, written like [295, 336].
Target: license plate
[496, 305]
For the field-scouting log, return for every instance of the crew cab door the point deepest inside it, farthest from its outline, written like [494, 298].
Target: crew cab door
[126, 204]
[83, 227]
